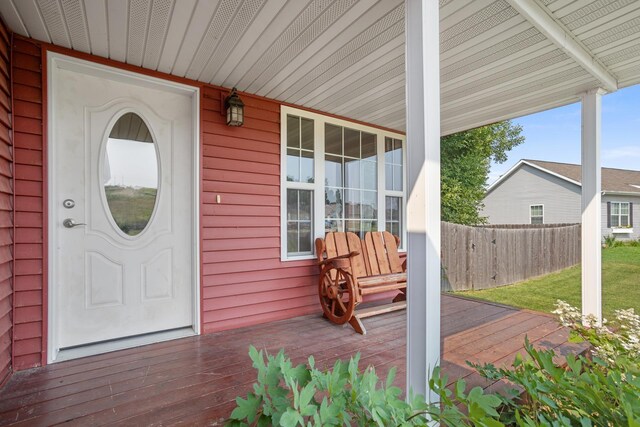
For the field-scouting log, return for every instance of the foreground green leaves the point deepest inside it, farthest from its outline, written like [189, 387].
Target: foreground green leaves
[601, 388]
[287, 395]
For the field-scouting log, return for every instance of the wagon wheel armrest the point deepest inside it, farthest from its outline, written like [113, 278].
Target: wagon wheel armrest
[337, 259]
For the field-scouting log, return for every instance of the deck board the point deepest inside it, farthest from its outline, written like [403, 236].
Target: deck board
[193, 381]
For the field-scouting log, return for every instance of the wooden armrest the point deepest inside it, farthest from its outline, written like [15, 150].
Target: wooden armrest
[335, 258]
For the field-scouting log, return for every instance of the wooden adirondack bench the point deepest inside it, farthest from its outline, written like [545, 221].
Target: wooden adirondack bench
[351, 268]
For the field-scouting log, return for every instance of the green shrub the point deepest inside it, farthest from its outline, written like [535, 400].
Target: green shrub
[288, 395]
[601, 388]
[610, 241]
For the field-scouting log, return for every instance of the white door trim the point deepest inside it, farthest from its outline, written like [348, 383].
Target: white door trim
[56, 61]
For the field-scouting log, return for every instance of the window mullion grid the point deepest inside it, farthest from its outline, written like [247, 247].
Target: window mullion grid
[383, 192]
[318, 187]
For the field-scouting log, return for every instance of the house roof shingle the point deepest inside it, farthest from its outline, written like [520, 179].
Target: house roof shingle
[613, 180]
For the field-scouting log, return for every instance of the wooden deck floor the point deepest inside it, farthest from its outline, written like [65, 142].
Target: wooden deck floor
[194, 381]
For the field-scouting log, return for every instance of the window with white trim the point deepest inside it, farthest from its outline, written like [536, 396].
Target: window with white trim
[536, 214]
[394, 185]
[620, 214]
[337, 176]
[300, 177]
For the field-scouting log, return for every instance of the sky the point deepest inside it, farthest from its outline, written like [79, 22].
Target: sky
[554, 135]
[131, 164]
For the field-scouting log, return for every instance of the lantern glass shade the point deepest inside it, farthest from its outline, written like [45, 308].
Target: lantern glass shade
[235, 109]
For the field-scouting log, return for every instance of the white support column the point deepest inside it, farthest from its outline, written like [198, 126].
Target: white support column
[591, 204]
[423, 180]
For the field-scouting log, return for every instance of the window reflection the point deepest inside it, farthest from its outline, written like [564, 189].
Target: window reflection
[300, 143]
[393, 164]
[130, 174]
[351, 180]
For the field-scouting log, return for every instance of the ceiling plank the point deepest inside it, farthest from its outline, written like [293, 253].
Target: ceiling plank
[32, 19]
[528, 84]
[310, 36]
[373, 30]
[253, 37]
[96, 11]
[12, 18]
[353, 75]
[75, 17]
[345, 92]
[194, 35]
[511, 106]
[565, 40]
[245, 16]
[391, 88]
[118, 19]
[608, 21]
[158, 26]
[139, 12]
[178, 23]
[55, 21]
[222, 21]
[268, 44]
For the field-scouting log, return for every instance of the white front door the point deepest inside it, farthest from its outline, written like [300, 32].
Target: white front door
[122, 166]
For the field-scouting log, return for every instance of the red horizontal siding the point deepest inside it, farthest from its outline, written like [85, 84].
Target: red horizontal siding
[23, 250]
[27, 283]
[29, 204]
[282, 284]
[6, 209]
[247, 278]
[27, 314]
[244, 281]
[249, 243]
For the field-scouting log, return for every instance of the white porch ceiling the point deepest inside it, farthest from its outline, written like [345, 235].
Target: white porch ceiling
[346, 57]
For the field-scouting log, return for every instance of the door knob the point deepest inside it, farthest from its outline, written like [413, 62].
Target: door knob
[70, 223]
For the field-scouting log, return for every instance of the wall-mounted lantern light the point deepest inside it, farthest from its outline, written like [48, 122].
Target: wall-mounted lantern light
[235, 109]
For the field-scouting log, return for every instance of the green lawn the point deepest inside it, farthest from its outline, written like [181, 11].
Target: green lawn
[620, 285]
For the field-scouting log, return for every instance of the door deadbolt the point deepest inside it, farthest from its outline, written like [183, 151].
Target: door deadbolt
[68, 203]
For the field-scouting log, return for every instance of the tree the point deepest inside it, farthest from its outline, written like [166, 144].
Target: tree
[465, 161]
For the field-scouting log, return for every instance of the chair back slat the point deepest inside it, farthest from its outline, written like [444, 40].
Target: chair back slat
[372, 260]
[330, 245]
[342, 246]
[357, 263]
[341, 243]
[382, 253]
[391, 243]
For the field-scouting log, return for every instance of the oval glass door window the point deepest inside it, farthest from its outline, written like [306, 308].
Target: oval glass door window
[130, 174]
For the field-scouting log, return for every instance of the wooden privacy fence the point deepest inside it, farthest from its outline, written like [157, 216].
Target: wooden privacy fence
[485, 257]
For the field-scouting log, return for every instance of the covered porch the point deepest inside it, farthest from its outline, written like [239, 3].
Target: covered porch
[461, 64]
[194, 381]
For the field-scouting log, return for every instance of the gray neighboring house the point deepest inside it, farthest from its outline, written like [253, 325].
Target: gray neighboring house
[538, 192]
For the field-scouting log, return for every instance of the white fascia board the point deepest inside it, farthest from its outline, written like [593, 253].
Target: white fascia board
[540, 18]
